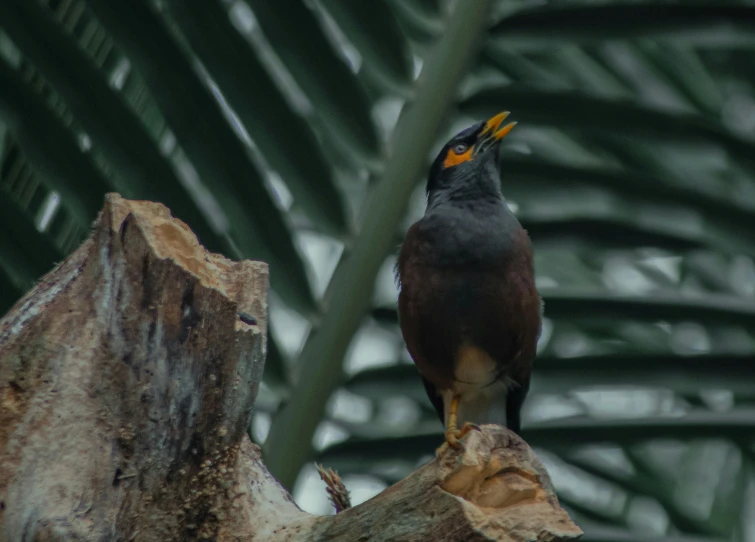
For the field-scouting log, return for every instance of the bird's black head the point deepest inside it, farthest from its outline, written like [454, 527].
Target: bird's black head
[468, 163]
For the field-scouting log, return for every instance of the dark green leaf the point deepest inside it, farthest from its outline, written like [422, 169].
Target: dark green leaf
[607, 201]
[522, 69]
[575, 303]
[607, 534]
[697, 24]
[659, 306]
[259, 228]
[604, 232]
[338, 99]
[690, 76]
[420, 19]
[578, 111]
[683, 374]
[389, 381]
[561, 434]
[285, 138]
[99, 108]
[11, 289]
[736, 425]
[629, 183]
[26, 252]
[374, 32]
[52, 147]
[640, 483]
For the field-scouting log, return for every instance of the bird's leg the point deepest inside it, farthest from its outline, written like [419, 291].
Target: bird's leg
[453, 433]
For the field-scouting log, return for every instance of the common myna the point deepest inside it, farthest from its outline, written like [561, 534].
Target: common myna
[468, 307]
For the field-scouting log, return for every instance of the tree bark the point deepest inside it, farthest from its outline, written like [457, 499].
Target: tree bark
[127, 378]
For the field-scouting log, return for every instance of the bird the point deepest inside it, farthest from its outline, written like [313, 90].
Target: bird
[468, 307]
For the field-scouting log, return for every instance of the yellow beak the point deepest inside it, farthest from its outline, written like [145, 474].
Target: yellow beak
[492, 127]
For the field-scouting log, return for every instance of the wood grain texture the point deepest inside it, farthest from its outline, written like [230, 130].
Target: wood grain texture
[126, 381]
[494, 489]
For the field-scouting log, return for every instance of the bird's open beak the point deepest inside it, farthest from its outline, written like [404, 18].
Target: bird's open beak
[492, 132]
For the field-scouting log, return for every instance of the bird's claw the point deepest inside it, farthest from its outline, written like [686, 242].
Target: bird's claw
[454, 436]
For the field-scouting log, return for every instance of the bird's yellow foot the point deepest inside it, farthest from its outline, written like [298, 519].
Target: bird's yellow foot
[454, 436]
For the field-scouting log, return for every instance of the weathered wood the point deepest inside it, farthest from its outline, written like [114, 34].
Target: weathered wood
[494, 489]
[127, 378]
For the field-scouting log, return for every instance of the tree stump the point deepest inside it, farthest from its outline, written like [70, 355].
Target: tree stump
[127, 378]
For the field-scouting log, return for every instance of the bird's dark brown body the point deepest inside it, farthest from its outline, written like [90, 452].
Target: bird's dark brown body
[469, 310]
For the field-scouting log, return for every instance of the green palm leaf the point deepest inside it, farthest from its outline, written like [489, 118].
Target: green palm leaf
[271, 129]
[283, 137]
[335, 95]
[715, 25]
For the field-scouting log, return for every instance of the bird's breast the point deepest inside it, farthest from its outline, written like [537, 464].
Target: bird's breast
[482, 236]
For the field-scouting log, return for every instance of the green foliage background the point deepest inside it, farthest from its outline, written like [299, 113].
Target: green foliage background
[297, 132]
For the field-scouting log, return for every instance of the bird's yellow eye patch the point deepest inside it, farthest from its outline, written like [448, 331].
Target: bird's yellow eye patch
[454, 158]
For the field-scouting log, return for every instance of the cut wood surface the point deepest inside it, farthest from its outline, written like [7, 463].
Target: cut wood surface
[127, 379]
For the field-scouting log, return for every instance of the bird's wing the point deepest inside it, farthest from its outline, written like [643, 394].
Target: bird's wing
[406, 276]
[421, 321]
[435, 399]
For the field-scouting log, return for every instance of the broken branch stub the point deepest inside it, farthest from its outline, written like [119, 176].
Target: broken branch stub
[493, 489]
[127, 377]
